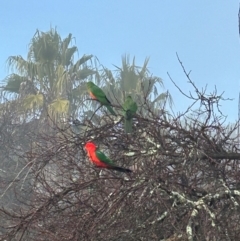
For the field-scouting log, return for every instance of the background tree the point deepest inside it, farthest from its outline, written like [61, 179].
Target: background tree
[45, 87]
[185, 180]
[138, 82]
[133, 80]
[49, 81]
[184, 185]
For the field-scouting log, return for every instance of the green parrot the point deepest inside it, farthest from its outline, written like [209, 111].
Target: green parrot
[97, 94]
[130, 109]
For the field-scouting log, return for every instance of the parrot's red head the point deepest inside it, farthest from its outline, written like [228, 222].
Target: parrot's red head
[90, 146]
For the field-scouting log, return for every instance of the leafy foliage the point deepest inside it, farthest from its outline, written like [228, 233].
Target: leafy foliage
[139, 83]
[51, 73]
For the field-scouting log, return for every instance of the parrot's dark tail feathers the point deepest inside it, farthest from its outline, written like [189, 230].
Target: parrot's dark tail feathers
[120, 169]
[111, 110]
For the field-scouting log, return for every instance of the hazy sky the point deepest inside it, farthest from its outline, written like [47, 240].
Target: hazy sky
[204, 34]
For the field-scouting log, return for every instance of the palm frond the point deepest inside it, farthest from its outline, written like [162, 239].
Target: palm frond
[59, 106]
[84, 73]
[61, 79]
[66, 42]
[31, 102]
[68, 55]
[13, 83]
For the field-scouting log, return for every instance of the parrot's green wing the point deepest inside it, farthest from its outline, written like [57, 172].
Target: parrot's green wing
[100, 96]
[109, 163]
[129, 108]
[103, 158]
[98, 93]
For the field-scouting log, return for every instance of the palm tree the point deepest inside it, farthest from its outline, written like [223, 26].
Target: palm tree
[48, 82]
[139, 83]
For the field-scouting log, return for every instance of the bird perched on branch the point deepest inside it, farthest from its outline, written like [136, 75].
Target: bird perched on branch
[97, 94]
[99, 159]
[130, 109]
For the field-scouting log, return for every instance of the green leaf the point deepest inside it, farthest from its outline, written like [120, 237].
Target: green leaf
[61, 79]
[84, 59]
[13, 83]
[66, 42]
[84, 73]
[59, 106]
[44, 46]
[33, 101]
[68, 55]
[79, 90]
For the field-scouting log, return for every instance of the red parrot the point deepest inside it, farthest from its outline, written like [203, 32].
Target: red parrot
[99, 159]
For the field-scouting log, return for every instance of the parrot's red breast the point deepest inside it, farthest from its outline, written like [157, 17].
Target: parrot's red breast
[92, 95]
[91, 151]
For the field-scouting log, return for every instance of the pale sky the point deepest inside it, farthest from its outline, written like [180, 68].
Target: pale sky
[204, 34]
